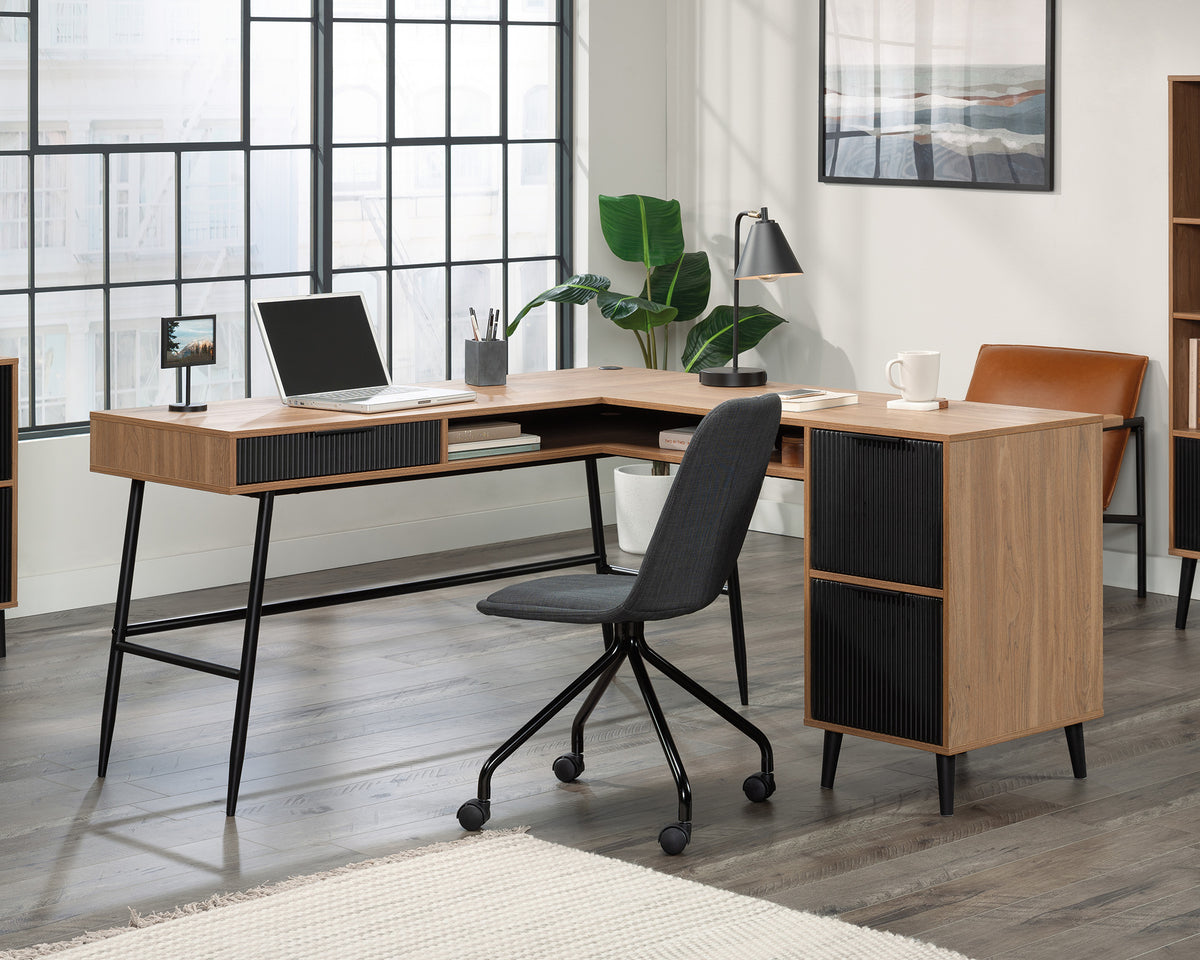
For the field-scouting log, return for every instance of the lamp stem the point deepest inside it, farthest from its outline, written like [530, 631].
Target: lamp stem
[737, 256]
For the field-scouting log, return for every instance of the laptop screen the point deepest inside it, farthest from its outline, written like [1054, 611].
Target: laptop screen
[320, 343]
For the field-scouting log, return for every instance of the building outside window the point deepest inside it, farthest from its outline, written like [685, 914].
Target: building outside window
[147, 171]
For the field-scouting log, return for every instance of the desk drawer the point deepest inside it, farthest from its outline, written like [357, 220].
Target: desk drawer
[324, 453]
[876, 507]
[876, 660]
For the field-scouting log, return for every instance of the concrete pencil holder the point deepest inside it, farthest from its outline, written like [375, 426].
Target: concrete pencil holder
[486, 363]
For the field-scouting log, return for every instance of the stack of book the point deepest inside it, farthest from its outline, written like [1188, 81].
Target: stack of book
[676, 438]
[488, 438]
[804, 401]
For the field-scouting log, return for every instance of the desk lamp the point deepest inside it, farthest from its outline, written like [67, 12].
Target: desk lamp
[767, 256]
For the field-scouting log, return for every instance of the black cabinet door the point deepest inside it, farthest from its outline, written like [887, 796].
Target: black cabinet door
[876, 507]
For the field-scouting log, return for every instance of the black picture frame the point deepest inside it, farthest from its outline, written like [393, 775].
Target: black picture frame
[199, 349]
[987, 125]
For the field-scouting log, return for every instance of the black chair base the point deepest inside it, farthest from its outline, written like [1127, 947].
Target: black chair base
[625, 642]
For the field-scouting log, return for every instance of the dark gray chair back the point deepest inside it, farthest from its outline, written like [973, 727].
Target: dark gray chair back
[704, 520]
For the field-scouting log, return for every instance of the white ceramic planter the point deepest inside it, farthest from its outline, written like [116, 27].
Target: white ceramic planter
[640, 497]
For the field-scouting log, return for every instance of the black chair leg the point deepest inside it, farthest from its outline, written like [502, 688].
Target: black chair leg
[1187, 576]
[683, 829]
[1075, 747]
[737, 627]
[586, 708]
[717, 706]
[593, 673]
[830, 752]
[945, 777]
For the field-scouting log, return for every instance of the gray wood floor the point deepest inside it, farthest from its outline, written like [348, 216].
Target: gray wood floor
[370, 722]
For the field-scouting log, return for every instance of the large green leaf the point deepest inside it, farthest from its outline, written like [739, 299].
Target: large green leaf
[642, 229]
[683, 285]
[577, 289]
[634, 313]
[710, 342]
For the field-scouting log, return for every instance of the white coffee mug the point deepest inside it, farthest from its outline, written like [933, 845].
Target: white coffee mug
[918, 377]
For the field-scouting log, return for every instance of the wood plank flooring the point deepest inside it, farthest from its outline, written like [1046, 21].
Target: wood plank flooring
[370, 722]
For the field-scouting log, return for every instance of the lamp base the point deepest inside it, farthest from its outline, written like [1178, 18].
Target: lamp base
[187, 407]
[733, 377]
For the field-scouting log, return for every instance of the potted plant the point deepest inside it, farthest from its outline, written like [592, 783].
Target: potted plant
[675, 289]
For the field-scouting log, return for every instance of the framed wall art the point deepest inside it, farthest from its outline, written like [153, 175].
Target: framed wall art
[953, 93]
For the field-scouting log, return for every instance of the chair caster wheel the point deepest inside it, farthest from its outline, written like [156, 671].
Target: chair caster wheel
[473, 814]
[568, 767]
[675, 837]
[758, 786]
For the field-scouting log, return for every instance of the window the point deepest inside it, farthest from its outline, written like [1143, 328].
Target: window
[433, 180]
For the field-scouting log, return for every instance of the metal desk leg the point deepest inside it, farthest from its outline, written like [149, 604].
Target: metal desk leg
[596, 516]
[116, 657]
[1187, 576]
[241, 714]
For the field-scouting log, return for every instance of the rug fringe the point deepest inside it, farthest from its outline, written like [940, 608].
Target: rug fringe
[137, 921]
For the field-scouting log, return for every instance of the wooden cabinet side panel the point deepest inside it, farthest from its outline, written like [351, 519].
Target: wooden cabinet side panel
[1024, 617]
[190, 459]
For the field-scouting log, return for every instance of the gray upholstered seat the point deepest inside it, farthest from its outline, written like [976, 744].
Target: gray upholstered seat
[691, 554]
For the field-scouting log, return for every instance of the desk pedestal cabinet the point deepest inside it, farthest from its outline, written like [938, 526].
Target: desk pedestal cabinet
[951, 590]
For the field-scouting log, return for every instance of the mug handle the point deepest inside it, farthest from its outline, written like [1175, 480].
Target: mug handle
[887, 372]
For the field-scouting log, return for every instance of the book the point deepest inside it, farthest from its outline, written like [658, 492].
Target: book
[482, 430]
[1193, 385]
[818, 401]
[494, 448]
[675, 438]
[493, 442]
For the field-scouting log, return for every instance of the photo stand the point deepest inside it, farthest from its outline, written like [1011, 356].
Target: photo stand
[187, 342]
[183, 394]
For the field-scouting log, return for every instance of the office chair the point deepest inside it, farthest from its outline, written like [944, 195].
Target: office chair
[691, 553]
[1085, 381]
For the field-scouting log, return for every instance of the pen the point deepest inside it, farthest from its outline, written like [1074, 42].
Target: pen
[491, 328]
[474, 323]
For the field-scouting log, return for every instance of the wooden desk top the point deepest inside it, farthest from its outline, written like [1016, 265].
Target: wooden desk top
[200, 450]
[640, 389]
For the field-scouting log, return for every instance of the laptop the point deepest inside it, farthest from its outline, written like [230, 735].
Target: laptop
[323, 354]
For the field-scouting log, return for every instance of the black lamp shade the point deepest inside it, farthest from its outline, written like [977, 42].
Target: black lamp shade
[766, 254]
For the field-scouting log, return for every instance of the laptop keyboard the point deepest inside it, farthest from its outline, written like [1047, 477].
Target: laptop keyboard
[365, 393]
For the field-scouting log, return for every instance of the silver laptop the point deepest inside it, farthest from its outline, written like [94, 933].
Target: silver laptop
[323, 354]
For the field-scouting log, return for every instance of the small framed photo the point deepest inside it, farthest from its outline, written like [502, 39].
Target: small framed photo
[189, 341]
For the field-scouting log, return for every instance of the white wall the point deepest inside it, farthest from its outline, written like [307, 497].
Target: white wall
[889, 268]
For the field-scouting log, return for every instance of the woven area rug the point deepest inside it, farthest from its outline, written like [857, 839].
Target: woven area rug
[498, 895]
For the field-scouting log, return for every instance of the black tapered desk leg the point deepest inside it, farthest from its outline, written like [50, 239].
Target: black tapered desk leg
[1075, 747]
[945, 775]
[241, 713]
[830, 752]
[1187, 576]
[108, 716]
[596, 516]
[738, 628]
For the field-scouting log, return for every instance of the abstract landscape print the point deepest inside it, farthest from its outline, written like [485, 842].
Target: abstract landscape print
[938, 92]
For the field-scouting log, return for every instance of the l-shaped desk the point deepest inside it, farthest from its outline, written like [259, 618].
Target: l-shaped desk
[952, 558]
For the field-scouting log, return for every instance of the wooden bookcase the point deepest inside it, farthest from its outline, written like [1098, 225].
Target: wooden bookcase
[8, 490]
[1184, 305]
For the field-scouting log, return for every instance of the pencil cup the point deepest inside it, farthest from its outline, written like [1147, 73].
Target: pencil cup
[486, 363]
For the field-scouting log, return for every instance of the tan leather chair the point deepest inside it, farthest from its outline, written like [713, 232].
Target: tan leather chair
[1086, 381]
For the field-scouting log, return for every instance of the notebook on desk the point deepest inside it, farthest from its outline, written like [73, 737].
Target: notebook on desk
[323, 354]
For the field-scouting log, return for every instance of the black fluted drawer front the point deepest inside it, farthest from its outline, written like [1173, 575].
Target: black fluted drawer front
[876, 660]
[7, 371]
[6, 543]
[324, 453]
[876, 507]
[1187, 493]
